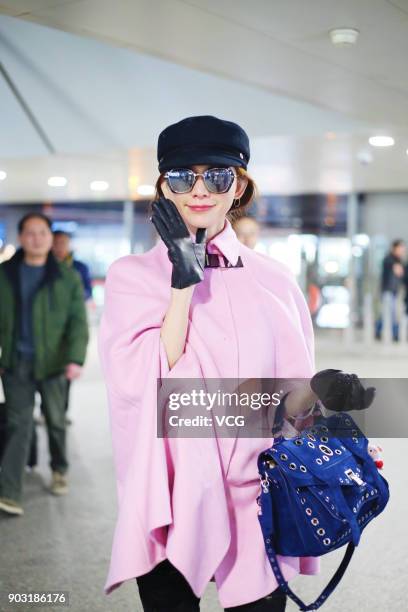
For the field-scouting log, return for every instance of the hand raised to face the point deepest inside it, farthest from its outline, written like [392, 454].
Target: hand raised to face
[187, 257]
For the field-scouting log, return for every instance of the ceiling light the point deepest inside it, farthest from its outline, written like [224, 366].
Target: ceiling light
[3, 175]
[57, 181]
[145, 190]
[344, 37]
[99, 185]
[381, 141]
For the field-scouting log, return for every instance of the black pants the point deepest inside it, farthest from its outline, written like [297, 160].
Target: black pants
[164, 589]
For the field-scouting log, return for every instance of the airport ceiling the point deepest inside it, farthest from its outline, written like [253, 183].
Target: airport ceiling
[103, 77]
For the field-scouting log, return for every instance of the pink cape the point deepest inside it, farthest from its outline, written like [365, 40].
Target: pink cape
[193, 501]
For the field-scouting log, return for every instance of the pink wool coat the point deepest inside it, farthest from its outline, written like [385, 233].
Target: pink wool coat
[193, 501]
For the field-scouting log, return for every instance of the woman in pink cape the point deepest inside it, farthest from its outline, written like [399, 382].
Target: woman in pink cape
[198, 305]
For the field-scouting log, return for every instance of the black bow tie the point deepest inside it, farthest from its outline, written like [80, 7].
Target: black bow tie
[212, 260]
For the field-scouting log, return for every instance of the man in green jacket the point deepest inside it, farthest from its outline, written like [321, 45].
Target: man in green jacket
[43, 339]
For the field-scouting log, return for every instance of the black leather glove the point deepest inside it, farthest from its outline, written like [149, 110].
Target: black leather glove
[187, 257]
[339, 391]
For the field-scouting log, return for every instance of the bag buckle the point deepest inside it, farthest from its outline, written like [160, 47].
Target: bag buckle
[353, 476]
[265, 483]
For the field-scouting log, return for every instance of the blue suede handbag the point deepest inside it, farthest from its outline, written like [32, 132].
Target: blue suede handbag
[319, 490]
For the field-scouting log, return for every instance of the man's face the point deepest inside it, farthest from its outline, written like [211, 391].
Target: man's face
[247, 231]
[61, 247]
[399, 251]
[36, 238]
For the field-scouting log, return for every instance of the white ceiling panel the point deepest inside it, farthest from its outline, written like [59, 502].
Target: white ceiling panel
[280, 46]
[401, 4]
[17, 136]
[138, 65]
[22, 8]
[379, 55]
[91, 97]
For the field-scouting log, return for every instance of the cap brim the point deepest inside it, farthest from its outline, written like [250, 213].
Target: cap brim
[187, 158]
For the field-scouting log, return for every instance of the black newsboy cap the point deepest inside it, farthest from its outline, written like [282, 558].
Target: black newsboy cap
[202, 140]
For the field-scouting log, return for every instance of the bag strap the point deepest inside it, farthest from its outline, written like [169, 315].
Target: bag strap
[268, 529]
[327, 591]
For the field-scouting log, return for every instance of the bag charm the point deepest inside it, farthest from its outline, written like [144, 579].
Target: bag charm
[375, 451]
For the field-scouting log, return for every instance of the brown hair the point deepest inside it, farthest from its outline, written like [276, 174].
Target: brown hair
[239, 207]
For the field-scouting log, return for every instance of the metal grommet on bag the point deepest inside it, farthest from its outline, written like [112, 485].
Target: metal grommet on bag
[325, 449]
[308, 511]
[337, 451]
[303, 468]
[298, 442]
[326, 458]
[292, 466]
[319, 461]
[324, 439]
[311, 444]
[315, 521]
[321, 531]
[283, 457]
[326, 541]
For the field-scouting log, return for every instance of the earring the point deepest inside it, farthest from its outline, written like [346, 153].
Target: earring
[236, 203]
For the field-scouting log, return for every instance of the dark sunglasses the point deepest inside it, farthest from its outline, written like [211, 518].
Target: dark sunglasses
[216, 180]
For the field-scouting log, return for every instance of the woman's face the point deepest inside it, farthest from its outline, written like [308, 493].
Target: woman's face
[200, 207]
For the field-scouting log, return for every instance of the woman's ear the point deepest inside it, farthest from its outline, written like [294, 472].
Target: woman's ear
[242, 183]
[164, 189]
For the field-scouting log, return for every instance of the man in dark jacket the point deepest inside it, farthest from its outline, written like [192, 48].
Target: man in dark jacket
[43, 339]
[61, 250]
[392, 276]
